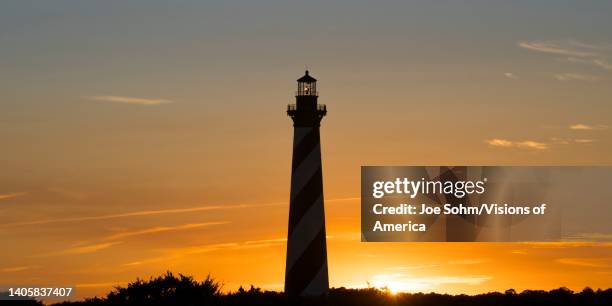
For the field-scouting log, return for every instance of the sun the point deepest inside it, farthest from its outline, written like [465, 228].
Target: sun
[398, 283]
[394, 288]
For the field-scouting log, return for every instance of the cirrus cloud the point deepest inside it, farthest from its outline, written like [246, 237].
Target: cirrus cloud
[536, 145]
[586, 127]
[573, 51]
[84, 249]
[162, 229]
[11, 195]
[131, 100]
[559, 48]
[576, 77]
[524, 144]
[511, 75]
[585, 262]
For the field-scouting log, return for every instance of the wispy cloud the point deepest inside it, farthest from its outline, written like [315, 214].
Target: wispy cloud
[524, 144]
[560, 141]
[109, 241]
[511, 75]
[231, 245]
[161, 229]
[11, 195]
[581, 126]
[564, 77]
[530, 144]
[181, 252]
[568, 141]
[138, 214]
[585, 262]
[154, 212]
[574, 51]
[537, 145]
[131, 100]
[265, 242]
[558, 48]
[566, 244]
[584, 140]
[15, 269]
[101, 285]
[177, 253]
[602, 63]
[496, 142]
[148, 261]
[85, 249]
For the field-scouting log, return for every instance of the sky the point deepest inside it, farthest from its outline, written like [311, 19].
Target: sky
[145, 136]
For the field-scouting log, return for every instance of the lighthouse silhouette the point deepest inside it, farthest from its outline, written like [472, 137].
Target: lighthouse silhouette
[306, 266]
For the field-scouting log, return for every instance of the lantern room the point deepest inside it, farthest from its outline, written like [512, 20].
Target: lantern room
[307, 86]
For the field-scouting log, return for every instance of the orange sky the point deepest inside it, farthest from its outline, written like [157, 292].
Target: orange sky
[142, 138]
[244, 244]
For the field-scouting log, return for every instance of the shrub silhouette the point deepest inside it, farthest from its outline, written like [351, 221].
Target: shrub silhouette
[171, 290]
[167, 290]
[6, 299]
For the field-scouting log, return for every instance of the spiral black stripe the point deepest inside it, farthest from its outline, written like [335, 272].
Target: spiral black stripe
[307, 266]
[305, 198]
[305, 146]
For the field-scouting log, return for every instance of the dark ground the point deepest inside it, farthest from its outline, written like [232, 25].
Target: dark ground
[171, 290]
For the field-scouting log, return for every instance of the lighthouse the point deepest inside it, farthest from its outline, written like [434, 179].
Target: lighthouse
[306, 265]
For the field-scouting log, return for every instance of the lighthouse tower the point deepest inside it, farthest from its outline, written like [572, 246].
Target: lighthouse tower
[306, 267]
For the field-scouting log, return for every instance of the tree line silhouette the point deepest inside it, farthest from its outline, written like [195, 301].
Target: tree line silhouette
[170, 290]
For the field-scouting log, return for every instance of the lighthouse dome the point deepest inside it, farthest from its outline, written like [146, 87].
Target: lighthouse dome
[307, 78]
